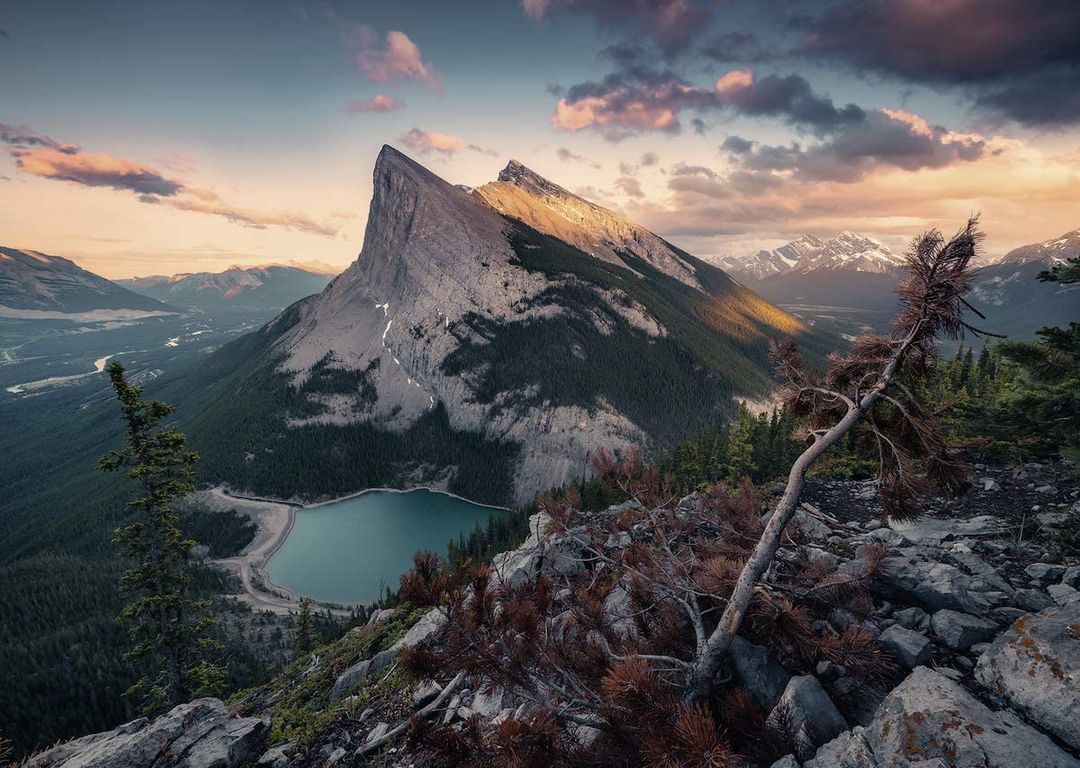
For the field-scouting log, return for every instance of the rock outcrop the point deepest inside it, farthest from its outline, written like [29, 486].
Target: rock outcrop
[200, 734]
[1035, 668]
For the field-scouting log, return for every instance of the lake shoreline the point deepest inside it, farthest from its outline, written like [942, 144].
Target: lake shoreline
[274, 520]
[299, 504]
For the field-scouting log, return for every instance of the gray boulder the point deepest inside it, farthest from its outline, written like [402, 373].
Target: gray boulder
[199, 734]
[960, 631]
[810, 712]
[430, 623]
[1033, 600]
[360, 671]
[759, 672]
[1035, 667]
[912, 576]
[1071, 577]
[1045, 572]
[787, 761]
[929, 717]
[913, 618]
[1063, 594]
[848, 750]
[910, 648]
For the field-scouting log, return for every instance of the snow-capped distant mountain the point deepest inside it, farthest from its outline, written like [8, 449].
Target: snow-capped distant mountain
[847, 251]
[850, 252]
[1014, 301]
[767, 263]
[273, 285]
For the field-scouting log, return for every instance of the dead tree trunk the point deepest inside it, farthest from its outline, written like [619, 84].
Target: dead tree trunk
[711, 655]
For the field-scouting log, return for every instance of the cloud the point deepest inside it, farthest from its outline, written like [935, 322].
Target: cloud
[650, 158]
[40, 156]
[377, 103]
[567, 156]
[639, 99]
[670, 24]
[208, 202]
[884, 139]
[737, 145]
[627, 102]
[733, 46]
[399, 60]
[790, 98]
[630, 186]
[425, 142]
[94, 170]
[1018, 60]
[21, 136]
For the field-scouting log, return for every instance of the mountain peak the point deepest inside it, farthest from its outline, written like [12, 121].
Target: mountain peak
[532, 182]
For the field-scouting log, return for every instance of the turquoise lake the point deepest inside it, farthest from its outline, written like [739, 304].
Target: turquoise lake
[346, 551]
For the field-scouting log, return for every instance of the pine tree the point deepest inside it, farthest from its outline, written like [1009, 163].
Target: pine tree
[305, 629]
[740, 448]
[168, 627]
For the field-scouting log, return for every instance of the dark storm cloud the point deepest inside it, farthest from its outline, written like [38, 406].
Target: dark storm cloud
[637, 99]
[670, 24]
[882, 140]
[733, 46]
[1020, 60]
[790, 98]
[737, 145]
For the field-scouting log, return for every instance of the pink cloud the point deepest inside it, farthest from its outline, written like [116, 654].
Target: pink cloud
[444, 143]
[377, 103]
[70, 164]
[399, 60]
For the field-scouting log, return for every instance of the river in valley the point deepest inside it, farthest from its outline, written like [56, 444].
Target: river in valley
[346, 551]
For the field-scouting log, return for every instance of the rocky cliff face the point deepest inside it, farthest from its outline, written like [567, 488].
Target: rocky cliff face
[530, 315]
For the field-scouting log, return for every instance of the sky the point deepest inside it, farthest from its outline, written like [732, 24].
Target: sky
[160, 137]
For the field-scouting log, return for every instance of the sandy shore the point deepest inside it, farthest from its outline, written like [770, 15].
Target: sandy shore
[274, 521]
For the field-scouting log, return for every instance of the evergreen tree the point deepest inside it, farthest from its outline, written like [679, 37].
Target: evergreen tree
[740, 448]
[168, 627]
[305, 629]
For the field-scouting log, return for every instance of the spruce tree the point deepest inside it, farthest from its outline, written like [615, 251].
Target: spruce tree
[305, 629]
[168, 626]
[740, 448]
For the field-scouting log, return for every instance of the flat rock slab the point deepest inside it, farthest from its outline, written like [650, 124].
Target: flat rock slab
[199, 734]
[935, 531]
[930, 717]
[1035, 667]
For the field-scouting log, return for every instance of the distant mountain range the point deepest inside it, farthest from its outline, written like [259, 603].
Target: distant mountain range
[487, 340]
[272, 285]
[1014, 301]
[847, 252]
[848, 282]
[35, 285]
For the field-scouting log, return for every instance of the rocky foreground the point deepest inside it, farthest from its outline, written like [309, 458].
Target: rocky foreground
[978, 603]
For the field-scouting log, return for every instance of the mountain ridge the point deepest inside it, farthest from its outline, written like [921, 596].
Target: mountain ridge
[272, 284]
[35, 284]
[457, 315]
